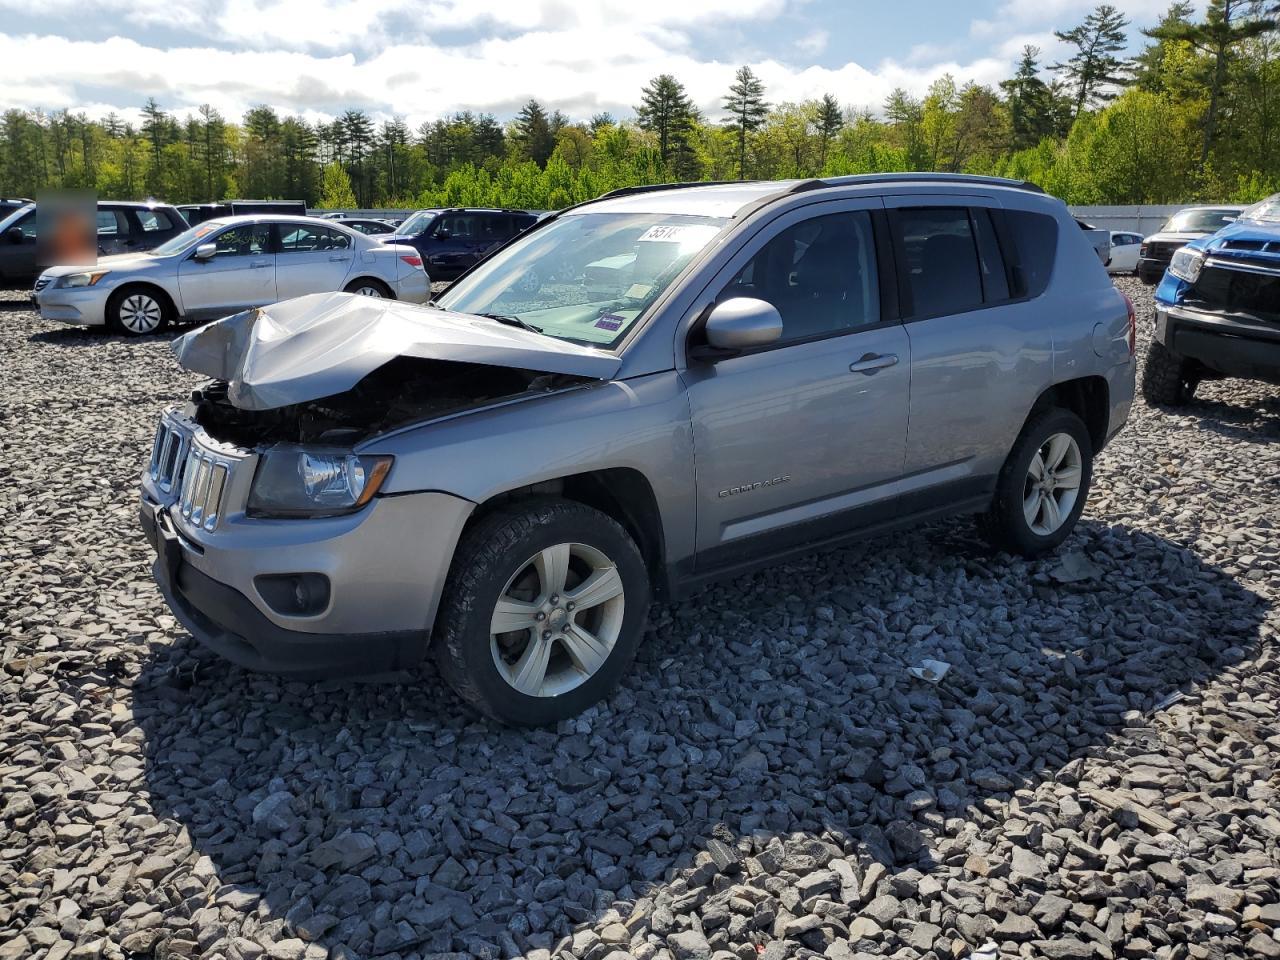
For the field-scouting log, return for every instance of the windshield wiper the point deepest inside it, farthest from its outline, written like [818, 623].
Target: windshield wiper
[511, 321]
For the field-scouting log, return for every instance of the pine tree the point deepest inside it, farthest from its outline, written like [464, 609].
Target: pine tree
[748, 110]
[1028, 101]
[532, 133]
[1095, 64]
[828, 121]
[1227, 24]
[665, 111]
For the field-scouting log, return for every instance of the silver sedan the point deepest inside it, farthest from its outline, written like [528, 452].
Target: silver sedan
[223, 266]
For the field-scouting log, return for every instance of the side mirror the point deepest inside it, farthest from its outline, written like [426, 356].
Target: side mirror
[740, 324]
[13, 234]
[206, 251]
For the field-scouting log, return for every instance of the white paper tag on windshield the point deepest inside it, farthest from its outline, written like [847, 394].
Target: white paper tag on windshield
[682, 233]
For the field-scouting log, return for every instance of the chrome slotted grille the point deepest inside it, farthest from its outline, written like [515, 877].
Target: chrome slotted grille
[169, 456]
[186, 472]
[204, 480]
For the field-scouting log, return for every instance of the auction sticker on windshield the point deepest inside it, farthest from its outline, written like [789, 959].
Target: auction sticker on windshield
[681, 233]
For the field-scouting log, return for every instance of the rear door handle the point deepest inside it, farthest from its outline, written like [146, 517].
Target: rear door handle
[872, 362]
[258, 264]
[339, 259]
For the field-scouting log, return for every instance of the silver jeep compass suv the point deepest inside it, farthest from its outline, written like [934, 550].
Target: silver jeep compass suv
[640, 394]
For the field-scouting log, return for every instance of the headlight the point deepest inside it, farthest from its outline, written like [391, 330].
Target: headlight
[296, 482]
[86, 279]
[1186, 264]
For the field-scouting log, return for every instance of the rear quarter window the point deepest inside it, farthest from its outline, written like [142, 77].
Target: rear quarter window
[1035, 242]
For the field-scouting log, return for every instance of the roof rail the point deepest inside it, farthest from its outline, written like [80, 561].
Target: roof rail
[925, 176]
[655, 187]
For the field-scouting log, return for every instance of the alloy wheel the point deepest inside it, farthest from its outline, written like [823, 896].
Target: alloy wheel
[140, 313]
[1052, 484]
[367, 291]
[557, 620]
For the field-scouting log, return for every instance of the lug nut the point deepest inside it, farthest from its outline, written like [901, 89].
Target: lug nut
[546, 634]
[555, 598]
[539, 616]
[570, 605]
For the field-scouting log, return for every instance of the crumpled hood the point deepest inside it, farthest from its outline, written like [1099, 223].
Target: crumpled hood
[325, 343]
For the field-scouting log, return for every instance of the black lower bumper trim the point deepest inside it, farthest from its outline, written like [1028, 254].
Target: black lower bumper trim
[226, 621]
[1226, 348]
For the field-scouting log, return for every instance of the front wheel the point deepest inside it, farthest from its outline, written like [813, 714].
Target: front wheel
[1043, 485]
[137, 311]
[1167, 380]
[543, 611]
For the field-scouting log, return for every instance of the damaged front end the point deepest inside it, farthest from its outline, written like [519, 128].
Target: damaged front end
[336, 369]
[403, 391]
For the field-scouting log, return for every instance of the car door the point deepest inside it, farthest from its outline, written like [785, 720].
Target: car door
[1124, 252]
[803, 438]
[114, 231]
[241, 274]
[150, 228]
[18, 249]
[452, 247]
[980, 347]
[311, 259]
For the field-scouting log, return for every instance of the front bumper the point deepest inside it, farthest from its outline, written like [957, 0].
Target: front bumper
[81, 305]
[1151, 269]
[385, 566]
[1229, 345]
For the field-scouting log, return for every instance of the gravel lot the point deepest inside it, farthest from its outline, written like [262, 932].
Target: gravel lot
[768, 782]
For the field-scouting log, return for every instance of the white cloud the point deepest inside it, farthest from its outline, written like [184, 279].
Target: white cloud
[813, 43]
[1015, 15]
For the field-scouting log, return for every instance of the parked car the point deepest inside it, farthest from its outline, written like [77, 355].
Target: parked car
[367, 225]
[225, 265]
[512, 475]
[9, 204]
[123, 227]
[1179, 230]
[452, 240]
[1218, 309]
[1099, 239]
[200, 212]
[1124, 252]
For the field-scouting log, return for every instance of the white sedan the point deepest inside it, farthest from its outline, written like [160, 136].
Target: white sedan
[222, 266]
[1124, 251]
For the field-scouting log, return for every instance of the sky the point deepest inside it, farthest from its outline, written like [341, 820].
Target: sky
[424, 59]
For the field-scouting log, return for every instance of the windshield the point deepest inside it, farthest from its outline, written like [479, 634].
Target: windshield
[12, 218]
[585, 277]
[1199, 221]
[186, 239]
[1265, 211]
[417, 223]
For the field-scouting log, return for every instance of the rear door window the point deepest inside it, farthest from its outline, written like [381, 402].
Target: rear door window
[943, 272]
[152, 221]
[112, 223]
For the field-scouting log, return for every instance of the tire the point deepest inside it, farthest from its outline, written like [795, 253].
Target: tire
[1009, 524]
[509, 555]
[1167, 380]
[137, 310]
[369, 287]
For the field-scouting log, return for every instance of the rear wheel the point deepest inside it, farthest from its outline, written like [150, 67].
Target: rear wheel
[138, 310]
[1043, 485]
[1167, 379]
[369, 287]
[543, 611]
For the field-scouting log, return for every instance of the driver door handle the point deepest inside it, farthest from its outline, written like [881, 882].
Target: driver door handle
[256, 264]
[872, 362]
[339, 259]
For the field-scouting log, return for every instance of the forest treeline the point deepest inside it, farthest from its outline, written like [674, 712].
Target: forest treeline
[1194, 115]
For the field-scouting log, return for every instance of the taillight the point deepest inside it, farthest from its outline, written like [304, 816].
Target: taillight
[1133, 325]
[412, 260]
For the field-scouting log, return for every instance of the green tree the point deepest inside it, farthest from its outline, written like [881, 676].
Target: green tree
[1029, 102]
[747, 111]
[1226, 25]
[1095, 66]
[335, 188]
[828, 120]
[533, 135]
[666, 111]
